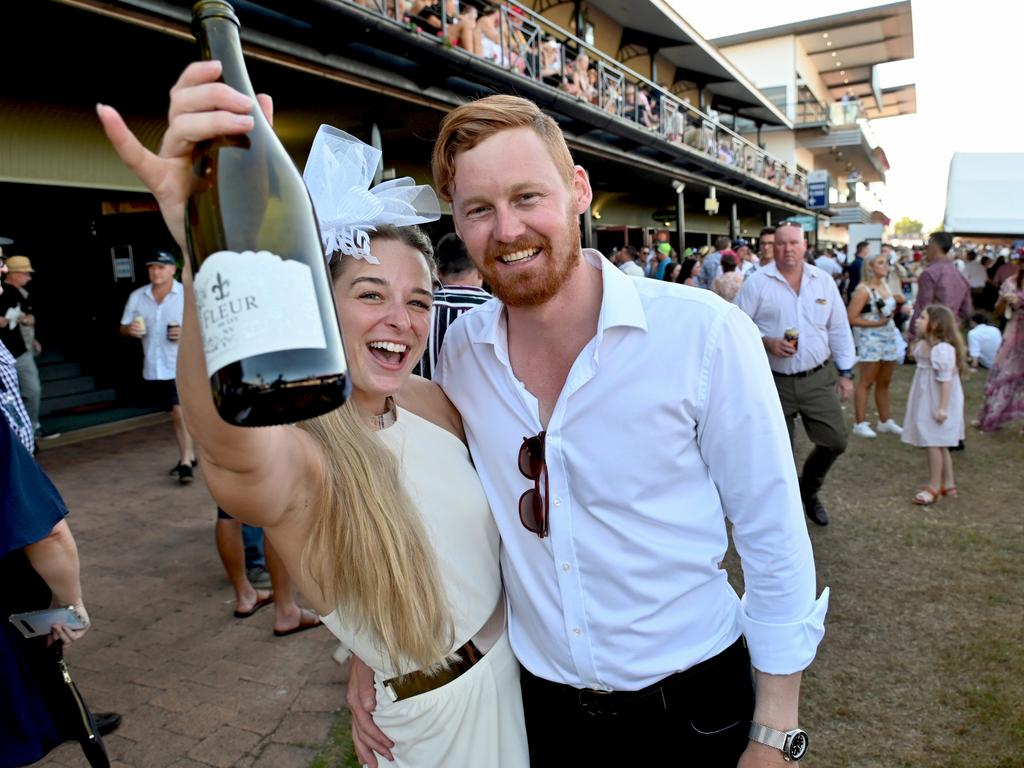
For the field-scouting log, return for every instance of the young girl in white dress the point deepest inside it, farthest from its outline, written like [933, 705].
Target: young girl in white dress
[935, 406]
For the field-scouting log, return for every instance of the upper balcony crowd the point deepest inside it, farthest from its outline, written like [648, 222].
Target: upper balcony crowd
[515, 38]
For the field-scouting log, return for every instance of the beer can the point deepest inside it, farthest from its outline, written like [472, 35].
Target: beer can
[792, 335]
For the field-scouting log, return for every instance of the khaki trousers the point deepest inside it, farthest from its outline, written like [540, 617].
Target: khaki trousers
[815, 399]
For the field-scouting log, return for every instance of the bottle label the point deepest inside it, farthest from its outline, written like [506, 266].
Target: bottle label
[255, 302]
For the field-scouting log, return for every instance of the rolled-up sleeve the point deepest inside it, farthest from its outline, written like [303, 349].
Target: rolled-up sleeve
[745, 444]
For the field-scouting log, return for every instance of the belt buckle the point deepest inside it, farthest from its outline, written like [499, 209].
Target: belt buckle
[590, 702]
[390, 690]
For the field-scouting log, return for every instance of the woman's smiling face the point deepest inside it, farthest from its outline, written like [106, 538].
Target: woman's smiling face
[385, 317]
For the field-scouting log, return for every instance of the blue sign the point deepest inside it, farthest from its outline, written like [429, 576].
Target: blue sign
[817, 196]
[817, 189]
[806, 222]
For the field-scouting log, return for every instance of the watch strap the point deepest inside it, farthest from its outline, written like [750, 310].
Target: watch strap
[792, 744]
[768, 736]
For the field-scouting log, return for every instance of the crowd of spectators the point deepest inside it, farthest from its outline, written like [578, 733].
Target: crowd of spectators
[503, 34]
[885, 291]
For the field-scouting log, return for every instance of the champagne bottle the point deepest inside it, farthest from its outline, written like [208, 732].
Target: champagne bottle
[270, 330]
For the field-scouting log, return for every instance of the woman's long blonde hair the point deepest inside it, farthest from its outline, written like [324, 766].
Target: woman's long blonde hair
[369, 552]
[943, 326]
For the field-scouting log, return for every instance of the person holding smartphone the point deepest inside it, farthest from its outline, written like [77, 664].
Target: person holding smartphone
[37, 552]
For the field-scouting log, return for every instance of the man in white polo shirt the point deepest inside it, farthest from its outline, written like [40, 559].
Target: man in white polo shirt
[804, 328]
[153, 314]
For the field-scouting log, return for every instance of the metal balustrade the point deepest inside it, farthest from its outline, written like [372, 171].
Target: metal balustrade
[526, 47]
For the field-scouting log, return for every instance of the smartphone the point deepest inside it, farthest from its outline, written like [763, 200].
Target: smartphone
[36, 623]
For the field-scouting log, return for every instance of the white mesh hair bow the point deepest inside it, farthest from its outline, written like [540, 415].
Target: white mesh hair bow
[338, 174]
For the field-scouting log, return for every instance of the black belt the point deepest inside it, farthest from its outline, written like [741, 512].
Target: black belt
[658, 696]
[801, 374]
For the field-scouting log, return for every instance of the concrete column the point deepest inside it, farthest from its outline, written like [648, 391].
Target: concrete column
[588, 229]
[679, 186]
[734, 223]
[767, 218]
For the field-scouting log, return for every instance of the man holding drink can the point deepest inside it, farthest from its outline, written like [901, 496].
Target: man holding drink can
[149, 311]
[813, 370]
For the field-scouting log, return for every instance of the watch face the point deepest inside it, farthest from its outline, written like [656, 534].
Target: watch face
[797, 745]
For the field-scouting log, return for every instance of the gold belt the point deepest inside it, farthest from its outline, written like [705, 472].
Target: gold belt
[414, 683]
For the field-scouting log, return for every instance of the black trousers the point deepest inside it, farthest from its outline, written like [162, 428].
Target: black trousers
[699, 717]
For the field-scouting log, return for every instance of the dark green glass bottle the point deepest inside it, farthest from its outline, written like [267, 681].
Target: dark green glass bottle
[266, 309]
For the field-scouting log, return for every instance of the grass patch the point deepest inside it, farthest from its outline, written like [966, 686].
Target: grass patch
[338, 752]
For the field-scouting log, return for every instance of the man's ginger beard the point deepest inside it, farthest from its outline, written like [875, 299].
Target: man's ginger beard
[556, 265]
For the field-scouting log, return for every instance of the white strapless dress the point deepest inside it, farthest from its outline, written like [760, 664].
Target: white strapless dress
[475, 721]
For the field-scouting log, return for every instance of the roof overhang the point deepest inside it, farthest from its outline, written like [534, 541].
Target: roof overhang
[697, 60]
[842, 151]
[847, 49]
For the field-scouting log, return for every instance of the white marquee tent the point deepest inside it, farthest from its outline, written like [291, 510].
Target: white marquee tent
[985, 194]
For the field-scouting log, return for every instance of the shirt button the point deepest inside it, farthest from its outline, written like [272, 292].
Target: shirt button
[558, 501]
[566, 566]
[577, 630]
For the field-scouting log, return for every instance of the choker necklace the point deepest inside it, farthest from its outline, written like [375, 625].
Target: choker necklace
[384, 420]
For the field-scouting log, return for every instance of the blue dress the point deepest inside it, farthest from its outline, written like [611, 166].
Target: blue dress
[29, 508]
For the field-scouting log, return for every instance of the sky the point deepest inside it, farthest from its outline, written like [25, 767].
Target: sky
[968, 61]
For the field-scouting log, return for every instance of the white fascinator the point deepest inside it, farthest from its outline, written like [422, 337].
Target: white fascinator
[338, 174]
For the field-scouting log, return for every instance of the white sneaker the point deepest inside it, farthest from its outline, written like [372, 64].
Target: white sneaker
[889, 426]
[862, 429]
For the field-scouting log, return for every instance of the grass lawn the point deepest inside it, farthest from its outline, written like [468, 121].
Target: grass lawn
[923, 658]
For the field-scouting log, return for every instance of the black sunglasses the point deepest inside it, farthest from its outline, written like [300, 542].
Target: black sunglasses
[533, 506]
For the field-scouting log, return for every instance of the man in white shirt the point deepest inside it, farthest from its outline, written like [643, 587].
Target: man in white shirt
[625, 259]
[826, 263]
[804, 328]
[983, 342]
[153, 314]
[976, 275]
[627, 629]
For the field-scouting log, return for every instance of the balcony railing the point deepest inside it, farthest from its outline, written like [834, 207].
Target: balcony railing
[846, 114]
[529, 44]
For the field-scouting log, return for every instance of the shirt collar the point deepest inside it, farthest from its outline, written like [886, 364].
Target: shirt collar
[620, 304]
[175, 288]
[773, 271]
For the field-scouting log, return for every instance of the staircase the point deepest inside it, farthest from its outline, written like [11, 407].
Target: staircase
[67, 389]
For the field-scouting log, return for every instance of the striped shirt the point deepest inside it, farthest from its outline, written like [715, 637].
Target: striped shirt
[11, 403]
[450, 301]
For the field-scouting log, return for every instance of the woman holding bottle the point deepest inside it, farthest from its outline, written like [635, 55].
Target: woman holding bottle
[374, 507]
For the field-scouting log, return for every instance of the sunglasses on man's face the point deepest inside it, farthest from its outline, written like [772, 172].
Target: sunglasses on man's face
[533, 505]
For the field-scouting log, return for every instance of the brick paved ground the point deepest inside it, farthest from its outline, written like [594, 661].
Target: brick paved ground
[196, 686]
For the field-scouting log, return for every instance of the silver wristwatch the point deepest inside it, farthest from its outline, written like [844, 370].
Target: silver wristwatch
[792, 744]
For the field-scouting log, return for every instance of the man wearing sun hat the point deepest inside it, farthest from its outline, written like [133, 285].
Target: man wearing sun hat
[17, 333]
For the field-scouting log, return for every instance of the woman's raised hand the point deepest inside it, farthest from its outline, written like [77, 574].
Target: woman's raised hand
[201, 108]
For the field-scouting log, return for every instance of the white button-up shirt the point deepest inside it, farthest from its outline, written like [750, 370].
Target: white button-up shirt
[983, 342]
[160, 354]
[668, 424]
[817, 312]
